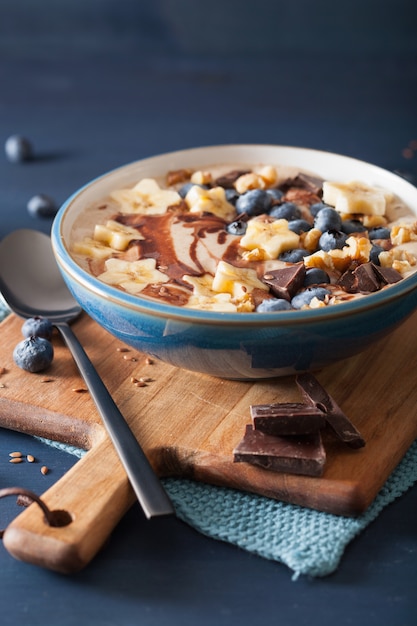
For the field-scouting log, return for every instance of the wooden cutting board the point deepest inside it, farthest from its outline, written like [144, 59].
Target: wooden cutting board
[188, 425]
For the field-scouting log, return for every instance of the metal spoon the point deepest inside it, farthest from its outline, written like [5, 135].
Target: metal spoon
[32, 285]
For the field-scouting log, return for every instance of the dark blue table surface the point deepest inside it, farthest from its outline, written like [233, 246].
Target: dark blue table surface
[96, 85]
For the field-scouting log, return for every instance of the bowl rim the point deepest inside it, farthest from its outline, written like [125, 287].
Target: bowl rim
[149, 306]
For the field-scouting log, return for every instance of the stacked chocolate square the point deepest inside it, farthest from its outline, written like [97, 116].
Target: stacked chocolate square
[286, 437]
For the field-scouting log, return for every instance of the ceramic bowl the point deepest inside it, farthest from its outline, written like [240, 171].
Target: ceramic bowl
[237, 345]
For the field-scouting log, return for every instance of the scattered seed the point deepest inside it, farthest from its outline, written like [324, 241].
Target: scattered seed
[140, 383]
[129, 358]
[102, 207]
[44, 470]
[149, 361]
[2, 386]
[122, 349]
[47, 380]
[145, 379]
[15, 455]
[79, 390]
[30, 458]
[16, 459]
[2, 370]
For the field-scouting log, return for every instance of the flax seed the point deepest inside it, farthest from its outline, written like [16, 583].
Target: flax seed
[122, 350]
[15, 454]
[16, 459]
[44, 470]
[30, 458]
[79, 390]
[149, 361]
[140, 383]
[2, 370]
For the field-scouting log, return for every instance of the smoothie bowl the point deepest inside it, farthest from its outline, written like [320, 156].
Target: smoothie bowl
[243, 261]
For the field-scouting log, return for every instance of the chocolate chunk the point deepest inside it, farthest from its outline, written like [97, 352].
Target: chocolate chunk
[287, 418]
[367, 280]
[302, 454]
[304, 181]
[387, 275]
[227, 180]
[316, 395]
[285, 282]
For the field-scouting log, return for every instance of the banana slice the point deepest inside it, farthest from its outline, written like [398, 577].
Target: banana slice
[355, 197]
[116, 235]
[236, 281]
[213, 201]
[90, 248]
[271, 238]
[202, 285]
[146, 198]
[220, 302]
[133, 276]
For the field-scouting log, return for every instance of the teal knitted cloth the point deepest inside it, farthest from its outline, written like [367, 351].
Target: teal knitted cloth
[309, 542]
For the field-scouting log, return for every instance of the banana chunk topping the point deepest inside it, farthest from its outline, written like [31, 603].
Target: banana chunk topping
[271, 238]
[355, 197]
[132, 276]
[200, 200]
[146, 198]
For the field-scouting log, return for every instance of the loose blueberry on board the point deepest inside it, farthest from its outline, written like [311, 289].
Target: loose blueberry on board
[293, 256]
[380, 232]
[332, 240]
[18, 149]
[352, 226]
[315, 276]
[254, 202]
[37, 327]
[33, 354]
[287, 211]
[41, 205]
[304, 298]
[273, 304]
[238, 227]
[327, 219]
[299, 226]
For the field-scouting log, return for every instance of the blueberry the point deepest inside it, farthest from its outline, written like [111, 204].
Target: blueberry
[18, 149]
[315, 276]
[299, 226]
[293, 256]
[374, 254]
[379, 233]
[328, 219]
[33, 354]
[182, 191]
[274, 304]
[37, 327]
[231, 195]
[305, 297]
[41, 205]
[352, 226]
[238, 227]
[287, 211]
[332, 240]
[318, 206]
[254, 202]
[276, 194]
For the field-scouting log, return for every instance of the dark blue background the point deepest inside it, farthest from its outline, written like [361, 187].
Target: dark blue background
[98, 83]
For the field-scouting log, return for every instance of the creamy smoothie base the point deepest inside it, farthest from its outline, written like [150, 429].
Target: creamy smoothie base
[217, 239]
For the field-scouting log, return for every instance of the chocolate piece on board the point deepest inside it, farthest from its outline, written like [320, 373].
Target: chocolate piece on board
[301, 454]
[285, 282]
[315, 394]
[287, 418]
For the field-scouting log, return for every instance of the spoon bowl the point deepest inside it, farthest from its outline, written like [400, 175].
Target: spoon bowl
[31, 284]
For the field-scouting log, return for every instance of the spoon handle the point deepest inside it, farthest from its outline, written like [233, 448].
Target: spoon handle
[147, 486]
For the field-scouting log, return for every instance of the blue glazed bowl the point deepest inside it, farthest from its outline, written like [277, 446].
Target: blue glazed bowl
[245, 346]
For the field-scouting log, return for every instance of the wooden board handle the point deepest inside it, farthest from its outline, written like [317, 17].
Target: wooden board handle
[95, 492]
